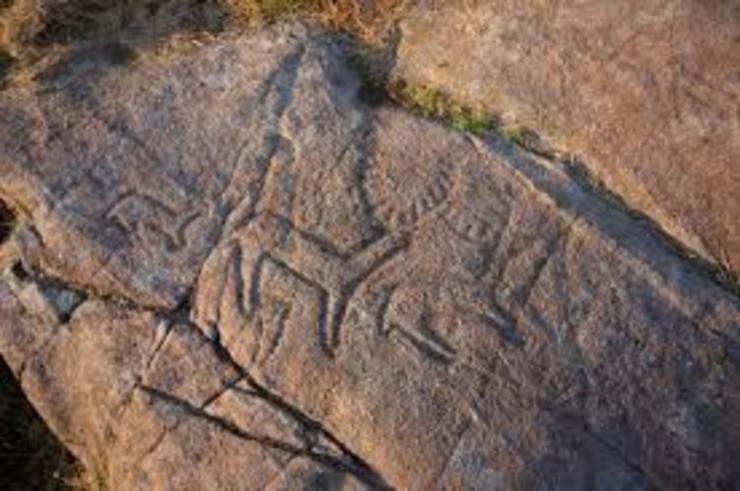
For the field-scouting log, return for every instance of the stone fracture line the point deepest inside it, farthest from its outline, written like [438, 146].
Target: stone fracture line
[460, 313]
[371, 475]
[355, 466]
[168, 429]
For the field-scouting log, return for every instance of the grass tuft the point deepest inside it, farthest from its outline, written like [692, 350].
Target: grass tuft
[529, 140]
[366, 19]
[432, 103]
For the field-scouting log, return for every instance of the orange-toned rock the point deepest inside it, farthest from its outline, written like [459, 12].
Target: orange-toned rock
[647, 93]
[229, 273]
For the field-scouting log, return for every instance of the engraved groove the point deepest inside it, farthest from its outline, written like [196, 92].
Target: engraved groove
[425, 347]
[125, 213]
[399, 208]
[335, 287]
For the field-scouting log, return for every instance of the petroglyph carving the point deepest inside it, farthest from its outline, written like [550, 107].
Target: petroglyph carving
[440, 318]
[259, 279]
[264, 268]
[151, 220]
[294, 276]
[480, 206]
[403, 192]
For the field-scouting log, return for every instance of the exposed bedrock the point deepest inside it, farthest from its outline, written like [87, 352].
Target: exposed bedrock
[227, 273]
[646, 93]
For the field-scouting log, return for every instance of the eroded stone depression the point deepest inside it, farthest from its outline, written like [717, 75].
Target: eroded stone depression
[7, 221]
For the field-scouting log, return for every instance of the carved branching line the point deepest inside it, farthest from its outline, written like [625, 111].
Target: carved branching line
[282, 82]
[324, 296]
[362, 268]
[333, 301]
[175, 239]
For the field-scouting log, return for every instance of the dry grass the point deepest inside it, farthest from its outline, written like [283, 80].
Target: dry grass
[366, 19]
[28, 27]
[30, 456]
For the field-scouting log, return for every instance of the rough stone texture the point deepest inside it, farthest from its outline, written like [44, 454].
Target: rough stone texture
[645, 92]
[121, 217]
[229, 274]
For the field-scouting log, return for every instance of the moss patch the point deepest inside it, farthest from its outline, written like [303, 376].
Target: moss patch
[529, 140]
[431, 103]
[6, 62]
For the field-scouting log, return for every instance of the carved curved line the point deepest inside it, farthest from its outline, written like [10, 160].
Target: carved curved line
[181, 234]
[339, 308]
[385, 303]
[325, 298]
[425, 347]
[132, 195]
[279, 328]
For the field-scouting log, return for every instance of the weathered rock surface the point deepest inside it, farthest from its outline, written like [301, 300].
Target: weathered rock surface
[227, 273]
[646, 92]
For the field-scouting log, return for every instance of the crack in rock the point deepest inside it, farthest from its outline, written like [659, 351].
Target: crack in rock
[224, 242]
[351, 465]
[7, 221]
